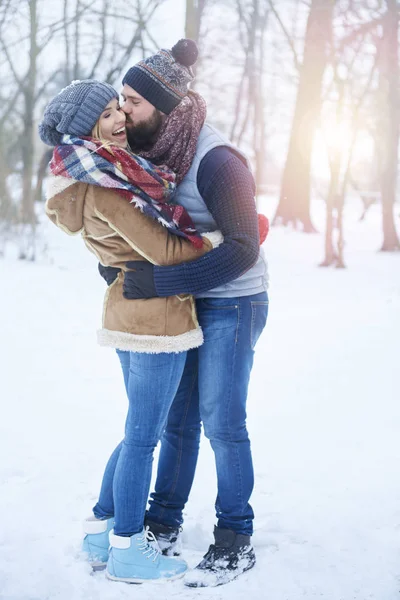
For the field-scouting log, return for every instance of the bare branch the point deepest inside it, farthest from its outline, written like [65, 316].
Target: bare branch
[43, 88]
[11, 65]
[9, 107]
[133, 42]
[5, 12]
[49, 30]
[286, 34]
[100, 54]
[362, 30]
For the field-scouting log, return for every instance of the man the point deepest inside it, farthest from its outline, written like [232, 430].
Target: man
[166, 124]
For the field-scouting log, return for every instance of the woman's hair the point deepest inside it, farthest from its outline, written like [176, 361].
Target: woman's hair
[96, 131]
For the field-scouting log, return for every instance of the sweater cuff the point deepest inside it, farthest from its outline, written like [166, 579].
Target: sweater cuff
[166, 282]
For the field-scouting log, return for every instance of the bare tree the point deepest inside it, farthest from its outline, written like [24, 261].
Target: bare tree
[249, 116]
[389, 121]
[193, 18]
[350, 98]
[29, 89]
[195, 12]
[26, 99]
[294, 203]
[123, 27]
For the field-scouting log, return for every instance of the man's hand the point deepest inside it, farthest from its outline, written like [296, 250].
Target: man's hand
[110, 274]
[139, 281]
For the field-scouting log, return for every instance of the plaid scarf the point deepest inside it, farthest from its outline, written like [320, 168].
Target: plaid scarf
[143, 184]
[176, 144]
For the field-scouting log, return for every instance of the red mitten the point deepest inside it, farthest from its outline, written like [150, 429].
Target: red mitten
[263, 227]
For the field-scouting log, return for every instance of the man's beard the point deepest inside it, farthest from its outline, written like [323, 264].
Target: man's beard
[143, 135]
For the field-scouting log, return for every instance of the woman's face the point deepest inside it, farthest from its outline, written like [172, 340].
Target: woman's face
[112, 124]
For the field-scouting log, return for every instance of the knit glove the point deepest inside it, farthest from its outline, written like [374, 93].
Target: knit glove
[139, 280]
[110, 274]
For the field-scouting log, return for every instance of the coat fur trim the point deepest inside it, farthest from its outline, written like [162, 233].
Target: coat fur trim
[151, 344]
[216, 238]
[57, 184]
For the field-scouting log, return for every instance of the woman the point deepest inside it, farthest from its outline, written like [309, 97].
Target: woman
[114, 200]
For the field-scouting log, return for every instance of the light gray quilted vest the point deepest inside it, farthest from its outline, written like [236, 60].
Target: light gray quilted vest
[255, 280]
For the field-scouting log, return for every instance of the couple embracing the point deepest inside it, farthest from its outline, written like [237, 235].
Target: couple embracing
[166, 204]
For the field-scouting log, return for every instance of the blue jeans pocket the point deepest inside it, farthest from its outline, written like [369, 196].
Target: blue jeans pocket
[259, 314]
[219, 303]
[218, 316]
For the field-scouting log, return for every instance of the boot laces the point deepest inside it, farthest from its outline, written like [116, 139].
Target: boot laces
[149, 545]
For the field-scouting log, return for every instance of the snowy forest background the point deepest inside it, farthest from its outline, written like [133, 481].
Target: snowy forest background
[309, 88]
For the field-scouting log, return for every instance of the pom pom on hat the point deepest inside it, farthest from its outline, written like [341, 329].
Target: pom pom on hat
[185, 52]
[49, 135]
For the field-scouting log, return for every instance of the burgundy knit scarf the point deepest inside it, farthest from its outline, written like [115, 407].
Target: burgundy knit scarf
[176, 144]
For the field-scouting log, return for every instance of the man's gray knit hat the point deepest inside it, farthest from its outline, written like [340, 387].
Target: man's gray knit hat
[163, 78]
[75, 110]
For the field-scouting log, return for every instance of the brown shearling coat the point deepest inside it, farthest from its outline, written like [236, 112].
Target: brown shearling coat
[116, 232]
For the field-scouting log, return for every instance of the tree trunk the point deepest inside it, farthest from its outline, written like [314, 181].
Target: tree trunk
[339, 225]
[27, 217]
[7, 209]
[259, 103]
[389, 81]
[194, 14]
[331, 203]
[294, 203]
[335, 199]
[250, 118]
[41, 174]
[66, 44]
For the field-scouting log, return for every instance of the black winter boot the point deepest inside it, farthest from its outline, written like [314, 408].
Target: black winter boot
[168, 538]
[230, 556]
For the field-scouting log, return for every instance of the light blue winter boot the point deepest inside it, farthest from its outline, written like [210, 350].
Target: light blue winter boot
[96, 542]
[138, 558]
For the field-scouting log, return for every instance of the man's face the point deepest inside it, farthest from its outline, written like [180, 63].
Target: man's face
[143, 120]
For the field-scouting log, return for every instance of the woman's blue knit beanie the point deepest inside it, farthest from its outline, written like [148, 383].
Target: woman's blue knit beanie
[75, 110]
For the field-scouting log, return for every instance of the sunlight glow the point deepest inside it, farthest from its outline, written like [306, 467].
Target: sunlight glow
[334, 138]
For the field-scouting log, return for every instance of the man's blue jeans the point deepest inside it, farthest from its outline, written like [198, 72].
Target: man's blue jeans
[151, 382]
[213, 390]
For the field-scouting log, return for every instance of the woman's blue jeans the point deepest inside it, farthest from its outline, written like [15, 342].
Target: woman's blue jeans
[151, 381]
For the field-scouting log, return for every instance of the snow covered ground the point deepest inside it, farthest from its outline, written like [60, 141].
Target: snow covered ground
[324, 417]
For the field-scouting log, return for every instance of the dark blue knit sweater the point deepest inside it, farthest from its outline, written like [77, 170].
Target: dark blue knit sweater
[227, 187]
